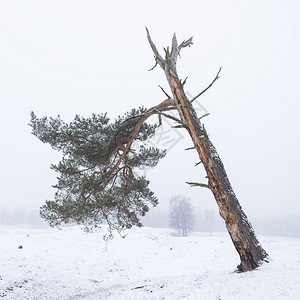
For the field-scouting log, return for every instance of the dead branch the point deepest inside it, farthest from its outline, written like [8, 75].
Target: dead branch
[158, 59]
[164, 92]
[190, 148]
[169, 116]
[184, 81]
[193, 184]
[210, 85]
[153, 67]
[204, 116]
[159, 120]
[175, 50]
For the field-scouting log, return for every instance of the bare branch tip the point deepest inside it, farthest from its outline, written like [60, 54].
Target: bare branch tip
[154, 65]
[184, 82]
[165, 92]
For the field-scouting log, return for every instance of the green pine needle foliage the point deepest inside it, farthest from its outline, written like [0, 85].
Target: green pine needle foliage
[91, 187]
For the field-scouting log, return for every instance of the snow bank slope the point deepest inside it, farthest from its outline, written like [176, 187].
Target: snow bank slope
[148, 264]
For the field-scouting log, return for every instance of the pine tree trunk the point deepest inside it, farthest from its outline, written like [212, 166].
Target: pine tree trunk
[238, 226]
[240, 230]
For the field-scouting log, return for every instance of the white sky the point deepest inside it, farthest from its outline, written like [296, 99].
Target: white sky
[83, 57]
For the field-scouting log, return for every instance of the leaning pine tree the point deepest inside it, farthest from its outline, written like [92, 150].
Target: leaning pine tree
[97, 181]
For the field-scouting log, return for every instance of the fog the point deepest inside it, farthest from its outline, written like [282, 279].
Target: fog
[84, 57]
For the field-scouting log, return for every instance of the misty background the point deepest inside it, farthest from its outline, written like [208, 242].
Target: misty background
[84, 57]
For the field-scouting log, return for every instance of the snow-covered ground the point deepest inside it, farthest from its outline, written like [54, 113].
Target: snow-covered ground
[148, 264]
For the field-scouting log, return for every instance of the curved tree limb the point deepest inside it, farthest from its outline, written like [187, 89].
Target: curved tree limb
[122, 140]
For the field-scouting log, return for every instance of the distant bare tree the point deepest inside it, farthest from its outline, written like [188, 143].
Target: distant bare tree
[181, 215]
